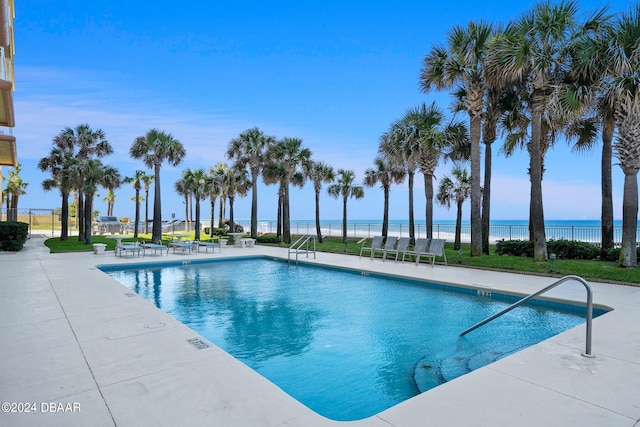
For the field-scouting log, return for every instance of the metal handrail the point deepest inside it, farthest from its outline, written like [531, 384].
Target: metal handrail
[587, 352]
[295, 246]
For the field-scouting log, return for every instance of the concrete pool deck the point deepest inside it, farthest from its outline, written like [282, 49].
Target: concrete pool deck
[80, 349]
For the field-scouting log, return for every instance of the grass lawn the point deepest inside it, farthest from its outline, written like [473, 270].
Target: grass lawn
[589, 270]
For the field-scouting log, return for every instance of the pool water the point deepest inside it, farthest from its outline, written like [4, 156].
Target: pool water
[346, 344]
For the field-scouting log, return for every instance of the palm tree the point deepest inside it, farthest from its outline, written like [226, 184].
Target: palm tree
[58, 163]
[147, 180]
[136, 181]
[624, 82]
[213, 183]
[457, 189]
[155, 148]
[248, 151]
[95, 174]
[288, 154]
[85, 143]
[236, 183]
[385, 173]
[182, 188]
[463, 64]
[345, 187]
[400, 145]
[219, 171]
[14, 189]
[534, 52]
[111, 201]
[318, 173]
[198, 185]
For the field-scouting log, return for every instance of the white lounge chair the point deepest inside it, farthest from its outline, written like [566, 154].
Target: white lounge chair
[207, 245]
[155, 247]
[133, 248]
[420, 248]
[184, 246]
[376, 245]
[389, 246]
[436, 249]
[401, 247]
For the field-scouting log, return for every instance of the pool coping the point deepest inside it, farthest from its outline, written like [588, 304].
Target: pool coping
[76, 319]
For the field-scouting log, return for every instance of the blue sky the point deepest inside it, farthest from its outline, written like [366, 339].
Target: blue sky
[333, 73]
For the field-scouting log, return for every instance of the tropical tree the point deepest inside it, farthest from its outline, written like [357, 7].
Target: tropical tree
[58, 164]
[213, 184]
[462, 63]
[111, 201]
[182, 188]
[533, 53]
[14, 189]
[456, 189]
[624, 83]
[95, 174]
[288, 155]
[344, 186]
[198, 184]
[147, 180]
[219, 171]
[385, 173]
[136, 181]
[248, 151]
[318, 173]
[236, 183]
[85, 143]
[155, 148]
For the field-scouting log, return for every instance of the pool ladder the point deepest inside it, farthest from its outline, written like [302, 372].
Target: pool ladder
[587, 352]
[296, 247]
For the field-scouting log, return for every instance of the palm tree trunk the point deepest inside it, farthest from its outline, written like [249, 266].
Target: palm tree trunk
[385, 213]
[412, 226]
[428, 195]
[232, 225]
[157, 207]
[456, 243]
[476, 194]
[608, 126]
[88, 211]
[64, 232]
[486, 199]
[137, 220]
[146, 211]
[286, 219]
[279, 219]
[213, 209]
[254, 205]
[318, 229]
[344, 219]
[80, 213]
[535, 174]
[197, 235]
[628, 252]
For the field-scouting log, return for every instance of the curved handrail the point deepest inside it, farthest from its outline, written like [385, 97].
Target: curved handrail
[587, 352]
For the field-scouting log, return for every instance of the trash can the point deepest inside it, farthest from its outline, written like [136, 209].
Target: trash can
[99, 248]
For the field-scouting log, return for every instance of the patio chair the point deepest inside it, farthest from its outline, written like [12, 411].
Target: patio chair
[155, 247]
[129, 248]
[401, 247]
[420, 248]
[389, 246]
[207, 245]
[436, 249]
[184, 246]
[376, 245]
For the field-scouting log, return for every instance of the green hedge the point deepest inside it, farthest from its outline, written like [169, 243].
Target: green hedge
[269, 238]
[564, 249]
[13, 235]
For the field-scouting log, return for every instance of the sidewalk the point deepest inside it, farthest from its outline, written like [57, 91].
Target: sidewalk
[80, 349]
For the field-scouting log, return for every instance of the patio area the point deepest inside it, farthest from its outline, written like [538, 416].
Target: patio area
[80, 349]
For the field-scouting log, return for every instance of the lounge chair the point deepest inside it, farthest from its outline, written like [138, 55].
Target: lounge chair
[133, 248]
[401, 247]
[155, 247]
[420, 248]
[436, 249]
[389, 246]
[207, 245]
[376, 245]
[184, 246]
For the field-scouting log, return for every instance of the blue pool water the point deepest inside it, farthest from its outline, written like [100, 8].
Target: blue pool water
[346, 344]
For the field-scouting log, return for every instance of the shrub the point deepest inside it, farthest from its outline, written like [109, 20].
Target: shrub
[269, 239]
[514, 247]
[613, 254]
[13, 235]
[569, 249]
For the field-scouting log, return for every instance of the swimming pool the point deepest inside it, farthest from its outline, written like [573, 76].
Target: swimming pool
[346, 344]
